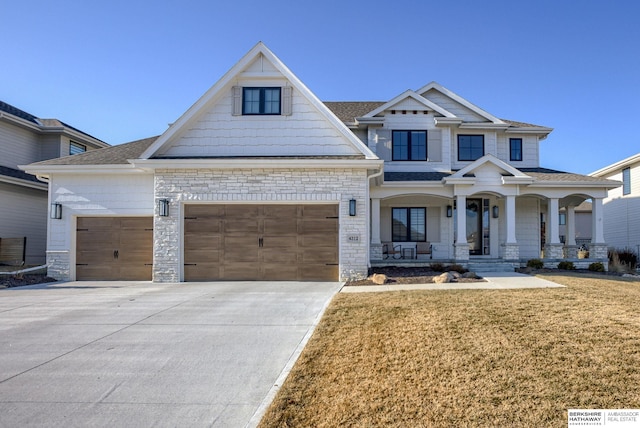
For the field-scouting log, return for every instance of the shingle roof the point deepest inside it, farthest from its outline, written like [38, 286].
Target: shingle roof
[114, 155]
[16, 173]
[8, 108]
[415, 176]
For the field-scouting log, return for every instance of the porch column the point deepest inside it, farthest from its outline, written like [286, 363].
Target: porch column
[598, 248]
[461, 245]
[511, 247]
[570, 240]
[553, 248]
[376, 245]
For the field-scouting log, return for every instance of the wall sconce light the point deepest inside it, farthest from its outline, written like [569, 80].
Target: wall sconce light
[163, 207]
[352, 207]
[495, 211]
[449, 211]
[56, 211]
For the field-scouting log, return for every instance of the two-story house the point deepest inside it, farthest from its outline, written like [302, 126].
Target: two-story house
[25, 138]
[622, 205]
[259, 179]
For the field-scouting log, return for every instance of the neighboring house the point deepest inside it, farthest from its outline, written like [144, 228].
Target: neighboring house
[24, 138]
[622, 205]
[261, 180]
[582, 225]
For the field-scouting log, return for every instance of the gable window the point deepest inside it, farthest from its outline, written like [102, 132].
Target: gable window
[409, 224]
[409, 145]
[260, 101]
[470, 147]
[626, 181]
[515, 149]
[75, 148]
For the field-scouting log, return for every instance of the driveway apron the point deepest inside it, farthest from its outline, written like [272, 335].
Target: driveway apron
[144, 354]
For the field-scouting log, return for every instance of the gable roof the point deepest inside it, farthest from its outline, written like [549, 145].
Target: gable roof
[413, 95]
[216, 91]
[438, 87]
[616, 167]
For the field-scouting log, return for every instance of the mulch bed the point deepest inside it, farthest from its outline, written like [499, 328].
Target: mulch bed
[407, 275]
[21, 280]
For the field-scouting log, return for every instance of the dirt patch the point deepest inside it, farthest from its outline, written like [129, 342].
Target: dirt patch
[409, 275]
[22, 280]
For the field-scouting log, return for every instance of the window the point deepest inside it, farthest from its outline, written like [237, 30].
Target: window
[409, 224]
[409, 145]
[470, 147]
[515, 149]
[260, 101]
[562, 220]
[626, 181]
[75, 148]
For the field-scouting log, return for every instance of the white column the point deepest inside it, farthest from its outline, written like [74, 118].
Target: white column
[597, 229]
[461, 219]
[375, 220]
[571, 225]
[553, 224]
[510, 208]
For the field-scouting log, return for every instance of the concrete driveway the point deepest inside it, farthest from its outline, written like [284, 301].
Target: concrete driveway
[143, 354]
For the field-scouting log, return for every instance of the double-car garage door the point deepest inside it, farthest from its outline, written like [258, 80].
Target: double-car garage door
[221, 242]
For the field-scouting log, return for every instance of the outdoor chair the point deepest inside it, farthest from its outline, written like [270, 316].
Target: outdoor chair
[424, 248]
[390, 250]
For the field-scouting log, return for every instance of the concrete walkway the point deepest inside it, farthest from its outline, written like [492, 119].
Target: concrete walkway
[494, 281]
[137, 354]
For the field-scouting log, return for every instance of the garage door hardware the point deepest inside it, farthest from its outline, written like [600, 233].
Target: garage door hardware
[116, 254]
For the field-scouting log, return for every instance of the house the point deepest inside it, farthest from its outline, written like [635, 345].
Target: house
[622, 205]
[25, 138]
[259, 179]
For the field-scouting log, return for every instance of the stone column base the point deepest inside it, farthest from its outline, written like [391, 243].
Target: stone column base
[572, 251]
[598, 251]
[376, 251]
[553, 251]
[461, 252]
[511, 252]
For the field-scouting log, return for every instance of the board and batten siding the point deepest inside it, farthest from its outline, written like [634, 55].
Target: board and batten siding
[24, 213]
[218, 132]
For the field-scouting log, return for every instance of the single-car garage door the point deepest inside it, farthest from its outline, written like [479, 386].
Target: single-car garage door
[114, 248]
[261, 242]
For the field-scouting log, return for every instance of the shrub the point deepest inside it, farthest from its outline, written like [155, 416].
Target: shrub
[535, 264]
[624, 260]
[456, 268]
[596, 267]
[565, 265]
[437, 267]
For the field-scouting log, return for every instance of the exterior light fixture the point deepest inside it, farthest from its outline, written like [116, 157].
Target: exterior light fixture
[163, 207]
[449, 211]
[352, 207]
[56, 211]
[495, 211]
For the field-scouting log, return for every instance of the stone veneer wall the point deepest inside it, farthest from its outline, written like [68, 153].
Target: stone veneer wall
[281, 185]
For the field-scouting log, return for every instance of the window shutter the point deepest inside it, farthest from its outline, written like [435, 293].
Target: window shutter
[287, 101]
[237, 100]
[434, 145]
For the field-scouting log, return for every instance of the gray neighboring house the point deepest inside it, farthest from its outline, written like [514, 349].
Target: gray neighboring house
[622, 205]
[25, 138]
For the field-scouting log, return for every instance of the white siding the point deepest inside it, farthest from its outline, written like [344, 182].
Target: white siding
[23, 212]
[530, 150]
[219, 133]
[452, 106]
[621, 213]
[19, 146]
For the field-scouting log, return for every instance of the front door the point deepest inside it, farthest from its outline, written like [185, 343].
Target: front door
[478, 226]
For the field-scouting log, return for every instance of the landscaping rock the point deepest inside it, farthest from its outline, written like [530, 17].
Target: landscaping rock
[455, 274]
[379, 278]
[443, 278]
[470, 275]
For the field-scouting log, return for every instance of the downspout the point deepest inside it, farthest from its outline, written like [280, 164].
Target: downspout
[369, 177]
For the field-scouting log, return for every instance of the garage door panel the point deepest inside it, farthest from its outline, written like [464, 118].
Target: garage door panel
[284, 256]
[203, 225]
[238, 271]
[285, 226]
[318, 272]
[241, 226]
[134, 272]
[324, 240]
[135, 223]
[319, 211]
[320, 255]
[201, 271]
[95, 272]
[204, 211]
[317, 227]
[280, 211]
[279, 242]
[96, 223]
[202, 256]
[286, 272]
[241, 211]
[203, 240]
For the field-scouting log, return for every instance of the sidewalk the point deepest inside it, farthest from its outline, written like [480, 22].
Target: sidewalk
[494, 281]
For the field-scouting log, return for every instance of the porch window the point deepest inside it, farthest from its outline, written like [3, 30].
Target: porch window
[515, 149]
[409, 224]
[626, 181]
[409, 145]
[261, 101]
[470, 147]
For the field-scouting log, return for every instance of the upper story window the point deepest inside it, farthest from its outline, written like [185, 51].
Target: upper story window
[515, 149]
[626, 181]
[409, 145]
[260, 101]
[409, 224]
[470, 147]
[75, 148]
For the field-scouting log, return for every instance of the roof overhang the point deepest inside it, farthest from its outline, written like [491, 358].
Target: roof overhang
[47, 170]
[249, 163]
[23, 183]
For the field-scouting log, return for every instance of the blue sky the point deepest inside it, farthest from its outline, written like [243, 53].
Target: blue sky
[122, 70]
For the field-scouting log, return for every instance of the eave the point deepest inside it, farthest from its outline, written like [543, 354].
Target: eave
[255, 163]
[47, 170]
[23, 183]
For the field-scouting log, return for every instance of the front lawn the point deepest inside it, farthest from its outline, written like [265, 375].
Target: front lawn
[468, 357]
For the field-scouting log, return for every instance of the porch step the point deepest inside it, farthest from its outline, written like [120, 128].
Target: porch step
[486, 266]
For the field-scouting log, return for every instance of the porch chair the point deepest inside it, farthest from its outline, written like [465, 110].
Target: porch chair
[390, 250]
[424, 248]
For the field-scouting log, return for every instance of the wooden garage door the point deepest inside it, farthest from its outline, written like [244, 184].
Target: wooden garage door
[261, 242]
[114, 248]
